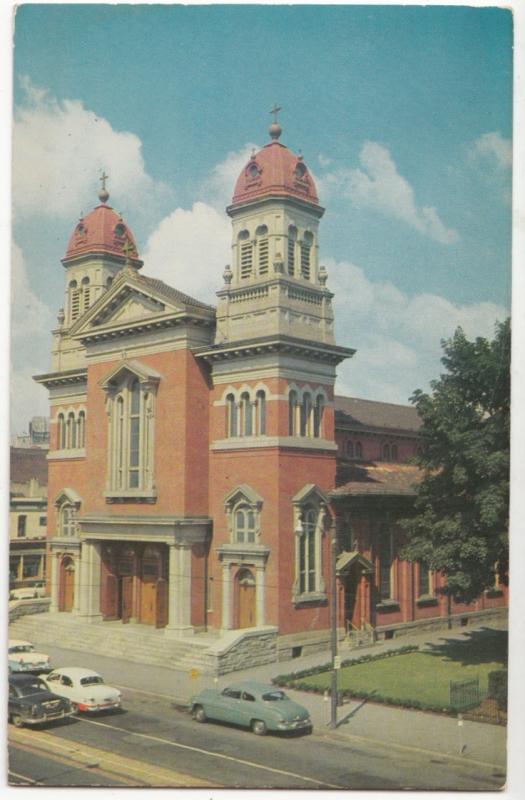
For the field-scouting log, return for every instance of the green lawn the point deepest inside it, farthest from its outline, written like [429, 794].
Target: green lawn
[423, 676]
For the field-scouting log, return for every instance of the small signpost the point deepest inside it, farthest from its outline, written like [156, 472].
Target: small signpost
[337, 662]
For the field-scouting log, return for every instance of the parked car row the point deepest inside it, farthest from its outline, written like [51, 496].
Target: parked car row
[40, 694]
[28, 592]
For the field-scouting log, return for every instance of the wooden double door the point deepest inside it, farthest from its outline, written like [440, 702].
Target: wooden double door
[135, 587]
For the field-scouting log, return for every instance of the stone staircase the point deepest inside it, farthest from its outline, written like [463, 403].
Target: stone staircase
[130, 642]
[359, 638]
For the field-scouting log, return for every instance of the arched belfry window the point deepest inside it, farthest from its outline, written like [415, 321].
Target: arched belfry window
[130, 402]
[292, 239]
[246, 415]
[231, 415]
[292, 413]
[263, 249]
[85, 293]
[61, 432]
[260, 411]
[245, 254]
[74, 300]
[306, 246]
[318, 416]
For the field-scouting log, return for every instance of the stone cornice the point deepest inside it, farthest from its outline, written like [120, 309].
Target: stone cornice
[170, 529]
[282, 442]
[318, 351]
[254, 203]
[143, 325]
[65, 377]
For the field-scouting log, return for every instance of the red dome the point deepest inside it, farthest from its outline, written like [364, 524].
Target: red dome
[104, 232]
[274, 170]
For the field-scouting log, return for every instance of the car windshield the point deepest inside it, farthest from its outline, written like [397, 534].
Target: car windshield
[272, 696]
[22, 648]
[91, 680]
[32, 687]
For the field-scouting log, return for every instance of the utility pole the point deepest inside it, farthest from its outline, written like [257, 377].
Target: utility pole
[333, 620]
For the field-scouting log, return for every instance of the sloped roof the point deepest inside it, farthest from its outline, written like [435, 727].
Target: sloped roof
[170, 293]
[27, 463]
[374, 414]
[373, 478]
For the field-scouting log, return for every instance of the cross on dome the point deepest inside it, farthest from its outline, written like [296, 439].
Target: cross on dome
[275, 129]
[103, 194]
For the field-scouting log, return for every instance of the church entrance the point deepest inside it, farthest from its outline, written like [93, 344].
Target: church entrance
[67, 584]
[133, 583]
[245, 599]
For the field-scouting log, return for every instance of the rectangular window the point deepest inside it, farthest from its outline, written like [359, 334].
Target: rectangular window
[424, 580]
[31, 566]
[42, 521]
[22, 524]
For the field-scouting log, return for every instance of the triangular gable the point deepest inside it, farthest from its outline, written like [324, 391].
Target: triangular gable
[240, 493]
[143, 372]
[309, 492]
[67, 496]
[347, 559]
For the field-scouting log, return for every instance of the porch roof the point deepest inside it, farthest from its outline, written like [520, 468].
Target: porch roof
[347, 558]
[373, 478]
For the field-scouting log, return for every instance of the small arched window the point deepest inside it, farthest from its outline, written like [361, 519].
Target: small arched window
[246, 415]
[81, 429]
[292, 238]
[306, 413]
[74, 300]
[261, 412]
[231, 416]
[358, 450]
[85, 294]
[244, 532]
[71, 431]
[263, 251]
[318, 416]
[61, 432]
[292, 413]
[350, 449]
[66, 520]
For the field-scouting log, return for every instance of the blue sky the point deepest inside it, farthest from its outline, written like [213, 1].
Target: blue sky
[403, 114]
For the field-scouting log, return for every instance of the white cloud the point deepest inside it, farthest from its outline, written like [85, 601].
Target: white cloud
[397, 337]
[494, 146]
[59, 149]
[31, 323]
[218, 188]
[189, 250]
[380, 187]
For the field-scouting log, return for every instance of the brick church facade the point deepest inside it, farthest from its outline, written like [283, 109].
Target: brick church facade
[199, 461]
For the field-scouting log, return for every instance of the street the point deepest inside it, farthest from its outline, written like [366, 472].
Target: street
[152, 743]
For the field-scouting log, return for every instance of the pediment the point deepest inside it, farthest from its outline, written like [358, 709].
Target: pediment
[136, 307]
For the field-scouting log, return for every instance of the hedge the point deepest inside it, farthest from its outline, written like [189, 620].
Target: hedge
[498, 687]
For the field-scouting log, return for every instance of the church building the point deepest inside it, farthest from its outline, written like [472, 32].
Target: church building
[199, 460]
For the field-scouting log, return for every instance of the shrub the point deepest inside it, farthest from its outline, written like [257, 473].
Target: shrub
[498, 687]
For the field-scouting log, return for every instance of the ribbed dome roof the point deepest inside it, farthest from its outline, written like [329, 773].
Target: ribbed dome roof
[102, 231]
[275, 171]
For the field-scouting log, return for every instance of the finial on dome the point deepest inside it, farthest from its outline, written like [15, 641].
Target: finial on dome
[103, 195]
[275, 129]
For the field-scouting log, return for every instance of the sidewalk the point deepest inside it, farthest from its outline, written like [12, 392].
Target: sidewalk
[356, 720]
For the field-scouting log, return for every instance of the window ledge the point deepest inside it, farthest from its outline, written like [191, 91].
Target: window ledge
[78, 452]
[130, 495]
[387, 605]
[426, 600]
[309, 597]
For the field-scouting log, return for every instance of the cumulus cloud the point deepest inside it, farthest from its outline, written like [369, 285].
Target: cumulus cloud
[31, 323]
[397, 337]
[218, 188]
[493, 146]
[189, 250]
[379, 186]
[59, 149]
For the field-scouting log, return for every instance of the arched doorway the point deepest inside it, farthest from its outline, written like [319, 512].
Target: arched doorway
[67, 584]
[245, 599]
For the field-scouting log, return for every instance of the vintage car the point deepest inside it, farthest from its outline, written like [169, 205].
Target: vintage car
[22, 657]
[31, 702]
[257, 706]
[28, 592]
[84, 688]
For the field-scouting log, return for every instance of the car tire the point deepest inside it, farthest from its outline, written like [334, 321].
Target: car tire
[199, 715]
[259, 727]
[17, 720]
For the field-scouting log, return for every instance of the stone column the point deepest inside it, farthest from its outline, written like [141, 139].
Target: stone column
[89, 588]
[77, 561]
[259, 595]
[54, 581]
[226, 598]
[179, 591]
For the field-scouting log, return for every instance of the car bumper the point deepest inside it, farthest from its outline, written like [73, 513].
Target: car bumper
[46, 718]
[295, 725]
[95, 707]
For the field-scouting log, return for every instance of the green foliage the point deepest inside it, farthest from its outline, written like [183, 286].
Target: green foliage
[498, 681]
[460, 524]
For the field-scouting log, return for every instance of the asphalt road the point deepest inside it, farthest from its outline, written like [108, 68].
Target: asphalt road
[152, 743]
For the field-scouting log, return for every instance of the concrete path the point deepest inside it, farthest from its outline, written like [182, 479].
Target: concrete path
[357, 721]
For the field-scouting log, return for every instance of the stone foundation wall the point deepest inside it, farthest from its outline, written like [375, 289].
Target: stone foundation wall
[248, 649]
[438, 623]
[19, 608]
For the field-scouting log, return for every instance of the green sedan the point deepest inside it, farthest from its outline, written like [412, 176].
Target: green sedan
[253, 705]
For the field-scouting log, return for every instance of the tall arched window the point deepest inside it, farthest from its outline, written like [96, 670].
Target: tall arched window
[81, 429]
[307, 552]
[245, 254]
[244, 525]
[292, 238]
[261, 412]
[61, 432]
[394, 453]
[74, 300]
[386, 559]
[263, 249]
[349, 449]
[306, 412]
[292, 413]
[71, 431]
[306, 246]
[358, 450]
[386, 452]
[134, 435]
[246, 415]
[231, 416]
[318, 415]
[85, 294]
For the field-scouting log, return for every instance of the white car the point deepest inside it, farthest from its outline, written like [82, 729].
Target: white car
[28, 592]
[84, 688]
[22, 657]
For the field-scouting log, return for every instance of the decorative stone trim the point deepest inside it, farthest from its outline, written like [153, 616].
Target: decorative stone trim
[426, 600]
[309, 598]
[388, 605]
[296, 442]
[63, 455]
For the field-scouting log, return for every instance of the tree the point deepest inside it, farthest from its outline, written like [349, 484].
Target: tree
[460, 523]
